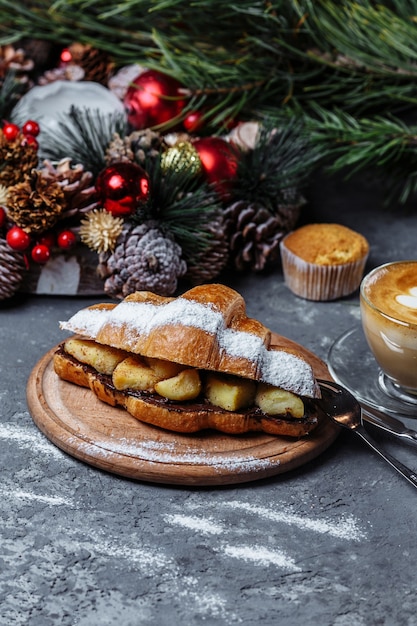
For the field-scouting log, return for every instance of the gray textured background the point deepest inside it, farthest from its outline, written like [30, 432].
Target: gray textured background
[332, 543]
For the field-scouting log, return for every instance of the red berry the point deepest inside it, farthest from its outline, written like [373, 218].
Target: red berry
[31, 128]
[47, 239]
[11, 131]
[40, 253]
[17, 238]
[66, 55]
[2, 217]
[30, 141]
[66, 239]
[193, 121]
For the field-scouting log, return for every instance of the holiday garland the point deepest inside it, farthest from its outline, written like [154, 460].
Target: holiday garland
[157, 207]
[317, 82]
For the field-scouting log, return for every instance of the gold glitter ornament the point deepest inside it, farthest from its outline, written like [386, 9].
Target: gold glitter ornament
[181, 156]
[99, 230]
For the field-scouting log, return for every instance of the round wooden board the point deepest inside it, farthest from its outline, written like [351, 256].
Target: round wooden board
[110, 439]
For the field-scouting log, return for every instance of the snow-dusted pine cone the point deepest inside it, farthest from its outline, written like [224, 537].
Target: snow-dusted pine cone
[134, 147]
[144, 259]
[12, 270]
[254, 235]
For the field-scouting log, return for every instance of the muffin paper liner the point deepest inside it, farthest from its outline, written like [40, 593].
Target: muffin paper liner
[320, 282]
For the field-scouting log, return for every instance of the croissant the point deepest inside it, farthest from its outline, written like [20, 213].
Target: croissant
[190, 363]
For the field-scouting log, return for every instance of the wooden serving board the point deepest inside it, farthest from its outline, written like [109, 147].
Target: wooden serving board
[112, 440]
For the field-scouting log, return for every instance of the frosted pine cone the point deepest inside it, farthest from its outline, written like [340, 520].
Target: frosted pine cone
[145, 259]
[12, 270]
[134, 147]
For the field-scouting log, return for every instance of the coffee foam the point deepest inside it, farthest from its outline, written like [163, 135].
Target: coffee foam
[393, 290]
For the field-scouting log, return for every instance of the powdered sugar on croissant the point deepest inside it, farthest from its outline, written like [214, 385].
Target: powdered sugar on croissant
[206, 328]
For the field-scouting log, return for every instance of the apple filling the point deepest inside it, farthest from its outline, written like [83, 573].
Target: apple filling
[180, 383]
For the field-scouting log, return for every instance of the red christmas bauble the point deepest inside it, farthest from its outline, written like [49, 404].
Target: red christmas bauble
[66, 239]
[122, 188]
[17, 238]
[40, 253]
[220, 161]
[153, 98]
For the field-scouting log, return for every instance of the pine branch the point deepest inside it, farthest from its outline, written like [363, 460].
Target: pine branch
[385, 145]
[183, 205]
[10, 91]
[83, 136]
[282, 161]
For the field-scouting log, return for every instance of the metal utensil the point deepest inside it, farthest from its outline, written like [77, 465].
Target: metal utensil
[343, 408]
[389, 424]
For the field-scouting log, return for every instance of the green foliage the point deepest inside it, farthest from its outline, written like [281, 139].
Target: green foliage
[83, 136]
[182, 204]
[345, 70]
[281, 162]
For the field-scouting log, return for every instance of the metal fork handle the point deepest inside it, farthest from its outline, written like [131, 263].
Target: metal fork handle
[405, 471]
[389, 424]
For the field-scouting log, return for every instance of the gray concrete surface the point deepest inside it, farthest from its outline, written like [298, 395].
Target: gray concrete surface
[332, 543]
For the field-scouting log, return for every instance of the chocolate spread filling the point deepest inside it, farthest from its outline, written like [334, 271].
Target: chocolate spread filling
[255, 412]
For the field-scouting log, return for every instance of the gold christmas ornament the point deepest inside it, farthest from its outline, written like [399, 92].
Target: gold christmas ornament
[99, 230]
[182, 156]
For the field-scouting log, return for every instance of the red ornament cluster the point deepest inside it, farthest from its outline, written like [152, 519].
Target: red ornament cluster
[30, 130]
[40, 250]
[17, 238]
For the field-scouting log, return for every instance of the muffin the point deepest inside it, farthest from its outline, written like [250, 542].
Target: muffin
[323, 261]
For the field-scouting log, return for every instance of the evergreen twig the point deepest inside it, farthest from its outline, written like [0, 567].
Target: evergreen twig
[83, 136]
[182, 204]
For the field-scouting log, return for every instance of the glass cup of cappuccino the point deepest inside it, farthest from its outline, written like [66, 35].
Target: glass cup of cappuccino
[388, 301]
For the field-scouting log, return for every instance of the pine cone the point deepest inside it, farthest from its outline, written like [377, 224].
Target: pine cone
[67, 72]
[254, 235]
[12, 270]
[134, 147]
[35, 204]
[77, 185]
[15, 60]
[212, 259]
[42, 52]
[17, 159]
[144, 259]
[288, 211]
[96, 64]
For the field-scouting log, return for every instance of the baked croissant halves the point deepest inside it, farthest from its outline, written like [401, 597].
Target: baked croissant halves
[190, 363]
